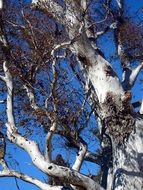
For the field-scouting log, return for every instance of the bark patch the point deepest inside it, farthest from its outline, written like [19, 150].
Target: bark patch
[84, 60]
[120, 122]
[109, 71]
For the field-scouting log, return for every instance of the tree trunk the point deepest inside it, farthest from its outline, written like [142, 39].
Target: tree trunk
[122, 125]
[128, 161]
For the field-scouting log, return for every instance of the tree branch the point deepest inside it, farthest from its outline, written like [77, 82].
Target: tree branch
[51, 6]
[48, 141]
[55, 106]
[89, 156]
[141, 108]
[2, 78]
[130, 76]
[1, 4]
[64, 173]
[135, 73]
[32, 149]
[120, 4]
[80, 157]
[11, 173]
[31, 96]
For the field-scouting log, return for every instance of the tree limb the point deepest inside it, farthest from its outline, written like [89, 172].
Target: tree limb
[135, 73]
[31, 97]
[130, 76]
[32, 149]
[141, 108]
[51, 6]
[80, 157]
[11, 173]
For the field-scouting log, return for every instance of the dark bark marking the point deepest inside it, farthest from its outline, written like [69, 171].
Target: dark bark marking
[109, 71]
[84, 60]
[50, 167]
[120, 123]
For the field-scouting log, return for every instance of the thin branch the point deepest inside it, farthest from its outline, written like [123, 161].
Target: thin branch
[135, 73]
[32, 35]
[9, 84]
[80, 157]
[31, 96]
[120, 4]
[32, 148]
[53, 118]
[16, 182]
[61, 45]
[79, 160]
[1, 5]
[72, 142]
[49, 141]
[38, 183]
[2, 78]
[52, 8]
[141, 108]
[130, 76]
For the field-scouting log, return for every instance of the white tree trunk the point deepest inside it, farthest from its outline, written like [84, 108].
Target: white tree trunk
[128, 162]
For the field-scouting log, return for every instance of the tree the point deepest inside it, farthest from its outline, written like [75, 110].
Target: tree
[70, 32]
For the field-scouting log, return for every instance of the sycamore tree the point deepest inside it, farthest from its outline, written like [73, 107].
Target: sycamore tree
[54, 73]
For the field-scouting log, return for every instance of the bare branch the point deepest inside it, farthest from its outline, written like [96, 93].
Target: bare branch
[120, 4]
[53, 118]
[80, 157]
[89, 156]
[130, 76]
[43, 186]
[4, 164]
[75, 178]
[1, 4]
[48, 141]
[31, 96]
[135, 73]
[2, 78]
[58, 46]
[8, 80]
[51, 6]
[32, 148]
[141, 108]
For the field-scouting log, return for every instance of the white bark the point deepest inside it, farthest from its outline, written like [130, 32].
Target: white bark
[49, 141]
[31, 96]
[120, 3]
[141, 108]
[1, 4]
[130, 75]
[134, 74]
[110, 179]
[109, 93]
[32, 148]
[127, 164]
[80, 157]
[52, 7]
[26, 178]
